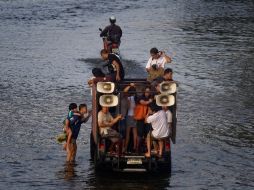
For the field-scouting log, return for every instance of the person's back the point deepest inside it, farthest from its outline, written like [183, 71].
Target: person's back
[159, 124]
[113, 31]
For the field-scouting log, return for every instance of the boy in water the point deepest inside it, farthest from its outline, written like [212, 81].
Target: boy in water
[83, 117]
[70, 120]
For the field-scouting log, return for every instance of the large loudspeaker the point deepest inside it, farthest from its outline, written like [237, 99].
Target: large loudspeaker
[168, 87]
[165, 100]
[105, 87]
[108, 100]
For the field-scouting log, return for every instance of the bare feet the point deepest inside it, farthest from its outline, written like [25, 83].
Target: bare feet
[148, 155]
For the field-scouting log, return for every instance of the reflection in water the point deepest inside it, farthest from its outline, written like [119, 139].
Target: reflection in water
[114, 180]
[68, 171]
[131, 66]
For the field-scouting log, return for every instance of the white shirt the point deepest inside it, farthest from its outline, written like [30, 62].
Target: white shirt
[132, 106]
[169, 116]
[169, 120]
[104, 118]
[159, 124]
[160, 62]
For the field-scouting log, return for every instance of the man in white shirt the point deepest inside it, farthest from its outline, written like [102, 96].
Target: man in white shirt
[156, 63]
[169, 118]
[157, 58]
[159, 123]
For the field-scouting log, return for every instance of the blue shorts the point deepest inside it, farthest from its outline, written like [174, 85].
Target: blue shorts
[122, 128]
[131, 122]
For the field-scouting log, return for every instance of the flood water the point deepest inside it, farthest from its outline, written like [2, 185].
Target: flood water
[47, 49]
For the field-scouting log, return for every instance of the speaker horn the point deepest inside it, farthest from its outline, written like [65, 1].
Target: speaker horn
[165, 100]
[108, 100]
[168, 87]
[105, 87]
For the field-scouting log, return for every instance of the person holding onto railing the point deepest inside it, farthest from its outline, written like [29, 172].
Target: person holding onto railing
[158, 120]
[131, 122]
[140, 113]
[106, 122]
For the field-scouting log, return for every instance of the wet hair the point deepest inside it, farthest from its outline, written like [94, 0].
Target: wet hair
[168, 70]
[154, 50]
[97, 72]
[82, 106]
[72, 106]
[104, 51]
[154, 107]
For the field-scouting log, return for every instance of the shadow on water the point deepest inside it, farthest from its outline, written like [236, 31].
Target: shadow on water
[132, 68]
[110, 180]
[117, 180]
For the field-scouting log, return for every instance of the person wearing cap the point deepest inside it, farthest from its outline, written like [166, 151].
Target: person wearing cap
[156, 63]
[113, 32]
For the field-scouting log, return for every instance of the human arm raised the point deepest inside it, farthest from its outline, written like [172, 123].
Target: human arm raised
[167, 58]
[126, 89]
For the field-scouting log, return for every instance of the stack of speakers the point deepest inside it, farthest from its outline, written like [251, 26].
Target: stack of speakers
[166, 98]
[107, 99]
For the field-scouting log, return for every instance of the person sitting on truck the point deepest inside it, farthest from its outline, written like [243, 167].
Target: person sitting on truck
[106, 122]
[156, 63]
[98, 76]
[158, 120]
[115, 67]
[113, 32]
[167, 76]
[97, 73]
